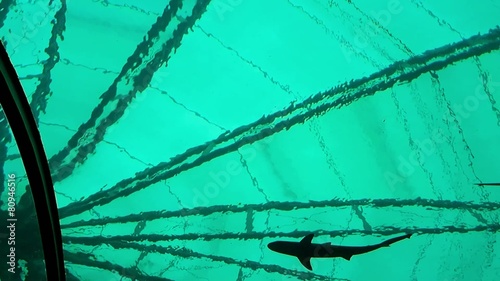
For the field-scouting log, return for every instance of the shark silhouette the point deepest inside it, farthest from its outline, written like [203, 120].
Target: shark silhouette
[305, 250]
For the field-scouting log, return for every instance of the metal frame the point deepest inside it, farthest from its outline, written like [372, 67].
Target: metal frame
[18, 113]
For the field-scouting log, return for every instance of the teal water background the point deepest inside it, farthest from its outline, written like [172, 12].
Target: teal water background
[183, 156]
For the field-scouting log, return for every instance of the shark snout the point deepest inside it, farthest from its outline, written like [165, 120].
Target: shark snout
[279, 246]
[273, 246]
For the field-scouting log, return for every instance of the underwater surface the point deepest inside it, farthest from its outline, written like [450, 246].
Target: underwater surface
[184, 136]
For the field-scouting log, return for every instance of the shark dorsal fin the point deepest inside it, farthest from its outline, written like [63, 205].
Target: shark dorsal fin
[306, 241]
[306, 262]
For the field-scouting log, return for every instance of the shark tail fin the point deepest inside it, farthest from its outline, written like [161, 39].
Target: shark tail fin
[306, 262]
[487, 184]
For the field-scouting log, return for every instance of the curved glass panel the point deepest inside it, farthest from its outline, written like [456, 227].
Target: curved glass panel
[184, 138]
[20, 235]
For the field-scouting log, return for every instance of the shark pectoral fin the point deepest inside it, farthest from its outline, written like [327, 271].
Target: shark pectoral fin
[306, 262]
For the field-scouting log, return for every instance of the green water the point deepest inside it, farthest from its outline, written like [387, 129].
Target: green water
[182, 139]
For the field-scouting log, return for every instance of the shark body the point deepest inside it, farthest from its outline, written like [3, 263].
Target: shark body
[305, 249]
